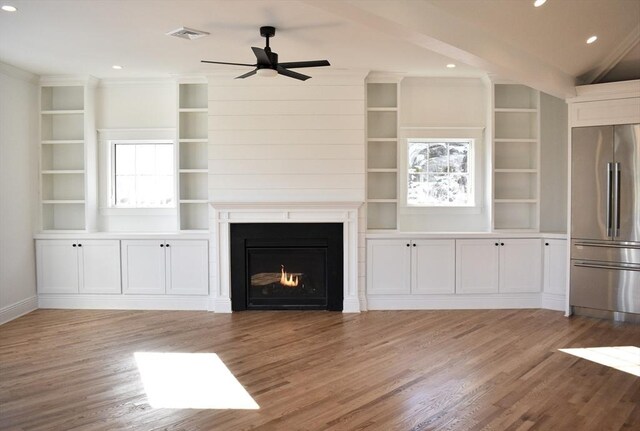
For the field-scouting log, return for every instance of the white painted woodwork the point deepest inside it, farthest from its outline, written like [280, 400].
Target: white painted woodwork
[477, 266]
[143, 266]
[520, 265]
[433, 266]
[187, 267]
[269, 132]
[57, 266]
[266, 211]
[99, 266]
[555, 267]
[605, 104]
[389, 266]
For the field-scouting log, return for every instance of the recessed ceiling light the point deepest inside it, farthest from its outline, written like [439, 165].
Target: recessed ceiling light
[592, 39]
[9, 8]
[451, 65]
[539, 3]
[116, 67]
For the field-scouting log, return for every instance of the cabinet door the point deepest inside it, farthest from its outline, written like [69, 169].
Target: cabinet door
[433, 266]
[555, 266]
[143, 266]
[187, 266]
[99, 264]
[388, 266]
[520, 265]
[57, 262]
[477, 265]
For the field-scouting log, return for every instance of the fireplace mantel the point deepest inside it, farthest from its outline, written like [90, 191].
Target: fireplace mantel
[226, 213]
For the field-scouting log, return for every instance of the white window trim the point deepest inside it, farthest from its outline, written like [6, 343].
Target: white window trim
[107, 139]
[443, 135]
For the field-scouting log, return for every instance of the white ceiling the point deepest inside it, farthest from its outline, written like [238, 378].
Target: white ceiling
[542, 46]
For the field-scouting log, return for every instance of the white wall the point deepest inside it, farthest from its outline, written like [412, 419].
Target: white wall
[282, 140]
[18, 189]
[445, 108]
[553, 163]
[135, 104]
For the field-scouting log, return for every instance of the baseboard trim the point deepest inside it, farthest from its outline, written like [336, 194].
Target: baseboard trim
[222, 305]
[351, 305]
[551, 301]
[123, 302]
[20, 308]
[452, 302]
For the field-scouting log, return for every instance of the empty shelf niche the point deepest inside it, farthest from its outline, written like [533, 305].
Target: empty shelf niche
[382, 185]
[382, 154]
[193, 186]
[193, 155]
[382, 125]
[516, 216]
[516, 125]
[193, 96]
[514, 96]
[194, 216]
[62, 127]
[63, 187]
[382, 95]
[62, 157]
[515, 155]
[64, 98]
[193, 125]
[63, 216]
[381, 215]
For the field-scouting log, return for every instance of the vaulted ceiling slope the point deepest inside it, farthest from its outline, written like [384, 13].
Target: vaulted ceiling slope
[543, 47]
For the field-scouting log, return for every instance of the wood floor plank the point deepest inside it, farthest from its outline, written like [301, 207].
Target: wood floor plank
[382, 370]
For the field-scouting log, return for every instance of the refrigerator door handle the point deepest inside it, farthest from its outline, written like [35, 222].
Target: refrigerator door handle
[607, 266]
[616, 197]
[608, 201]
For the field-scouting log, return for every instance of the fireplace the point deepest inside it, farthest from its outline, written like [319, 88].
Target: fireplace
[286, 266]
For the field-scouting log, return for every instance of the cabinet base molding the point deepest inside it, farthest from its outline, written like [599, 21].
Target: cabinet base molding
[453, 302]
[552, 301]
[220, 305]
[123, 302]
[18, 309]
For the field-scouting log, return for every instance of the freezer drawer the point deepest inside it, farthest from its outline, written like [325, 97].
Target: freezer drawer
[605, 286]
[605, 251]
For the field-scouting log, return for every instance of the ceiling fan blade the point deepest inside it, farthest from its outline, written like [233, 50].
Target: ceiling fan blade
[231, 64]
[291, 74]
[298, 64]
[261, 55]
[246, 75]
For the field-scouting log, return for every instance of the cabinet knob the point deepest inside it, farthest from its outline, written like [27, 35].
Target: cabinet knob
[408, 245]
[497, 244]
[414, 244]
[161, 245]
[546, 243]
[502, 243]
[79, 245]
[74, 245]
[167, 245]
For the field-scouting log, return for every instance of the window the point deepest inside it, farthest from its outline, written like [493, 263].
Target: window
[440, 173]
[142, 175]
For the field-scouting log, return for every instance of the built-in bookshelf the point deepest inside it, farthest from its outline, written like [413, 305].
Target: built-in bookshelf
[516, 157]
[382, 155]
[193, 212]
[67, 151]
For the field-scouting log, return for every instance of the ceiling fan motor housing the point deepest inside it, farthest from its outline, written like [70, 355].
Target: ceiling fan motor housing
[267, 31]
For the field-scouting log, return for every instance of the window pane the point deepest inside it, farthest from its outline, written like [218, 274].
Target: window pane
[416, 193]
[438, 189]
[459, 189]
[418, 157]
[149, 179]
[458, 155]
[145, 159]
[125, 159]
[438, 158]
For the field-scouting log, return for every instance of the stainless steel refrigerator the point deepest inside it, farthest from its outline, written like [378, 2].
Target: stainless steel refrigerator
[605, 220]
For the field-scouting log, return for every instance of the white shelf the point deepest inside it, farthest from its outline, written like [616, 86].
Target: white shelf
[63, 112]
[63, 201]
[63, 171]
[532, 140]
[63, 142]
[531, 110]
[382, 170]
[382, 139]
[383, 200]
[516, 201]
[194, 171]
[193, 110]
[516, 171]
[193, 140]
[382, 109]
[194, 201]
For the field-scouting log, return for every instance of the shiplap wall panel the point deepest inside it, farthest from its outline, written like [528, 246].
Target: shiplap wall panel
[286, 141]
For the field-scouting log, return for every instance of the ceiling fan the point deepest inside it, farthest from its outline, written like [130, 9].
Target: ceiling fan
[267, 61]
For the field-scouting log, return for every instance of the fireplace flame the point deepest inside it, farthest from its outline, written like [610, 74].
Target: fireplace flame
[287, 279]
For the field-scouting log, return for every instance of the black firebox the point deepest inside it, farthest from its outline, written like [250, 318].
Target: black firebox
[286, 266]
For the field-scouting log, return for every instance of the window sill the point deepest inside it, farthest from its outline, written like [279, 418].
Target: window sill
[416, 210]
[144, 212]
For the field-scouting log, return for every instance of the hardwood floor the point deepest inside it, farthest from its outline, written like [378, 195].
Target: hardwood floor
[392, 370]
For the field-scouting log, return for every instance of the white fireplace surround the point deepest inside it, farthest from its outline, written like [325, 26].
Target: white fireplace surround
[224, 214]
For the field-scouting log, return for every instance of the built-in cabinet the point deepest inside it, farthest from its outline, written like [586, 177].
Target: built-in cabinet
[177, 267]
[382, 154]
[516, 157]
[555, 267]
[510, 265]
[67, 155]
[192, 156]
[404, 266]
[78, 266]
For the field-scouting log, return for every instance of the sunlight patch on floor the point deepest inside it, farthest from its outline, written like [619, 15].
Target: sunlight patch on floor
[623, 358]
[191, 381]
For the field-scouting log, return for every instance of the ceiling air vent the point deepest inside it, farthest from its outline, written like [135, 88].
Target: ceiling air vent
[188, 33]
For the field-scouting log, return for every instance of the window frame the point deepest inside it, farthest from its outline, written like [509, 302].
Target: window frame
[111, 181]
[476, 162]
